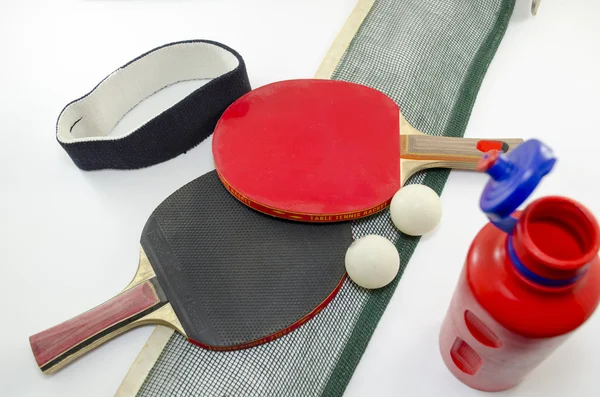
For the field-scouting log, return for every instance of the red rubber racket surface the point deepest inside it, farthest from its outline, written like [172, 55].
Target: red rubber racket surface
[313, 150]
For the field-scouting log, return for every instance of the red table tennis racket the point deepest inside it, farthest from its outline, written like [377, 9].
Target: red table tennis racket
[218, 272]
[325, 150]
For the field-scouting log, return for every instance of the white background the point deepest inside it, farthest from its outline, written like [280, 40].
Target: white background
[69, 239]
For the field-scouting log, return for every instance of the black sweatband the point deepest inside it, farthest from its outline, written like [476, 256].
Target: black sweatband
[84, 125]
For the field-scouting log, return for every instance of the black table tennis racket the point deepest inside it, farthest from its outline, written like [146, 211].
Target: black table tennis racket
[223, 275]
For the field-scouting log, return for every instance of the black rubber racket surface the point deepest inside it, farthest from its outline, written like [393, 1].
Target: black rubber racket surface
[224, 275]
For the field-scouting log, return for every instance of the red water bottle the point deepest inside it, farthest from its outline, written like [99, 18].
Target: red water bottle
[530, 279]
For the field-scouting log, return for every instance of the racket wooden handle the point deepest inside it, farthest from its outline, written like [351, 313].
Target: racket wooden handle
[59, 345]
[450, 152]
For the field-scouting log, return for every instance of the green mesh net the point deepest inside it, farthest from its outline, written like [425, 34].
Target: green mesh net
[430, 56]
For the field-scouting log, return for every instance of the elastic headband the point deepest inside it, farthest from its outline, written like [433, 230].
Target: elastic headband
[84, 125]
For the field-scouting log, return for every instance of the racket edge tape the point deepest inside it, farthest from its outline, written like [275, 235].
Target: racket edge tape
[302, 216]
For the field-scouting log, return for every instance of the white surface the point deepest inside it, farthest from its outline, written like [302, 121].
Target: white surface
[70, 238]
[372, 261]
[416, 210]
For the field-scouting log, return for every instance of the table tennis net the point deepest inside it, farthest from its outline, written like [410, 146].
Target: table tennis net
[430, 56]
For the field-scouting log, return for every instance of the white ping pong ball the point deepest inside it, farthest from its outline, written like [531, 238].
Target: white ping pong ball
[372, 261]
[416, 209]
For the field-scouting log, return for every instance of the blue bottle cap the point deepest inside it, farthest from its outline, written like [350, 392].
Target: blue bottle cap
[515, 175]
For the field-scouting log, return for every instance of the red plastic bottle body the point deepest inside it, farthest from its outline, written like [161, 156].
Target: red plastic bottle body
[501, 322]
